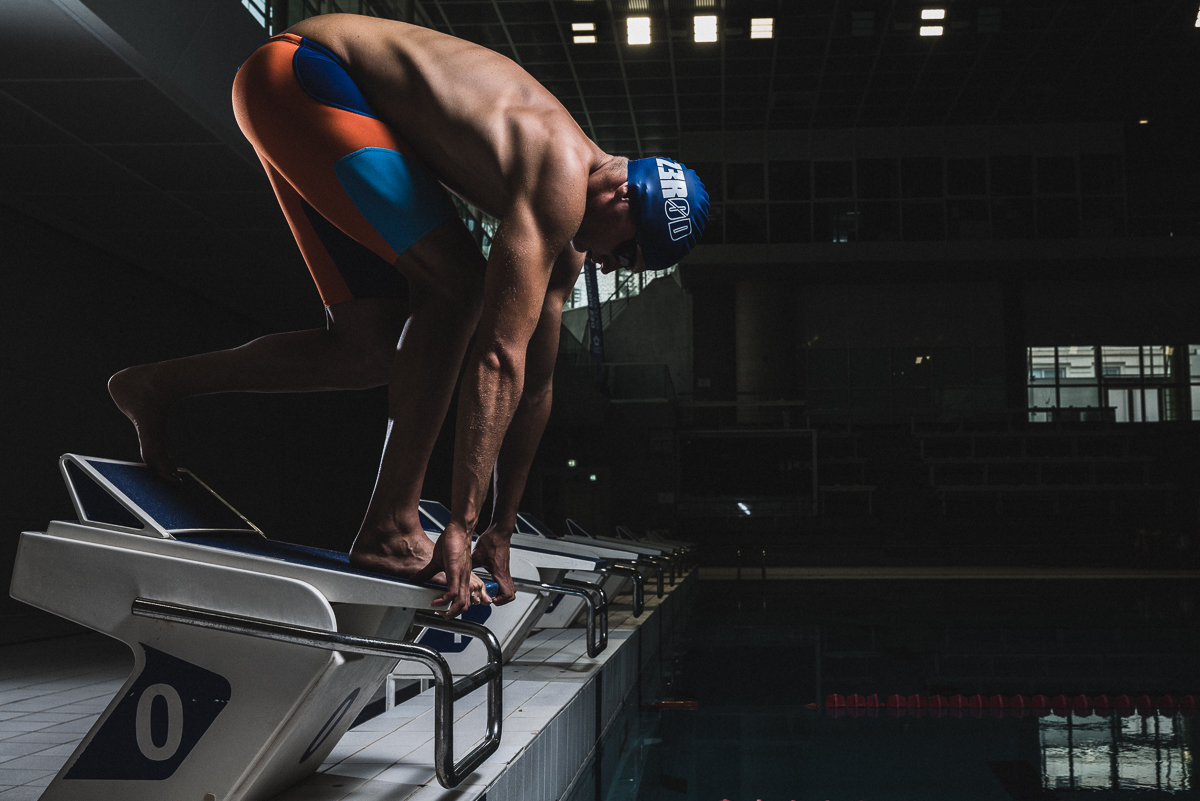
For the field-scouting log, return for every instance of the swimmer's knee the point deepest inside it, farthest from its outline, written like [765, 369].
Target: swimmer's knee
[364, 354]
[376, 360]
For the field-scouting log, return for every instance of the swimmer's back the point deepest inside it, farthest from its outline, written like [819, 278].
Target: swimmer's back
[481, 122]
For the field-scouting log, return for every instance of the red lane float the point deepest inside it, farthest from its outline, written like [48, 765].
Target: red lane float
[998, 705]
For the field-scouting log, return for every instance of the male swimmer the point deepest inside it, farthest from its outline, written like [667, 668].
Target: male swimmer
[362, 125]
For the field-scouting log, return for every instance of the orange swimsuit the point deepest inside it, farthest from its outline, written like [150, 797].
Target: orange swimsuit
[354, 195]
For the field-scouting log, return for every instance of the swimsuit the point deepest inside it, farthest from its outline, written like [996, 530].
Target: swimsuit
[353, 193]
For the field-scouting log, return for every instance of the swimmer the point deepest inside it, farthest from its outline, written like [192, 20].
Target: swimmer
[362, 126]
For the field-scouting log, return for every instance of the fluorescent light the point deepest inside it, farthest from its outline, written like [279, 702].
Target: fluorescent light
[585, 40]
[638, 30]
[933, 13]
[763, 28]
[705, 28]
[705, 3]
[1198, 19]
[931, 30]
[583, 26]
[1143, 122]
[744, 508]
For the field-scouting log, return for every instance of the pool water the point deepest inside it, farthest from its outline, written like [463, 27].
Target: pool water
[761, 658]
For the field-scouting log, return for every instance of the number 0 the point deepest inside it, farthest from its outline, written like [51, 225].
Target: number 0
[174, 722]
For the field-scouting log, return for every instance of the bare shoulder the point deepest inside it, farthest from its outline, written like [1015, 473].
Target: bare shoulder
[555, 160]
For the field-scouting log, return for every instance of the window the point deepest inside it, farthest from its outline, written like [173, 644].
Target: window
[1117, 383]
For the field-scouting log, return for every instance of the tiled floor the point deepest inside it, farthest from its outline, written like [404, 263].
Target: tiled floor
[391, 756]
[52, 691]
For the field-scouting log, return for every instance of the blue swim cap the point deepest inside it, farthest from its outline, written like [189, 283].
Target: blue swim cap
[672, 209]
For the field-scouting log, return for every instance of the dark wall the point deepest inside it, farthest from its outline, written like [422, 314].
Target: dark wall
[714, 346]
[299, 466]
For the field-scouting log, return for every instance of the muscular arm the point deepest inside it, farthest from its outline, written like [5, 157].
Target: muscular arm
[525, 431]
[515, 294]
[529, 421]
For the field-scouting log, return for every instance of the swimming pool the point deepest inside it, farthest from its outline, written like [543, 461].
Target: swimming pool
[762, 659]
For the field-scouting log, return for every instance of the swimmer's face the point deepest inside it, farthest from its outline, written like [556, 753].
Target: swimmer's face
[609, 234]
[627, 255]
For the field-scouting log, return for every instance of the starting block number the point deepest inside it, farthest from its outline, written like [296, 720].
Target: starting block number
[157, 723]
[145, 708]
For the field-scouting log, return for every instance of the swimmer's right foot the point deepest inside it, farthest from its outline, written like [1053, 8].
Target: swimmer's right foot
[147, 407]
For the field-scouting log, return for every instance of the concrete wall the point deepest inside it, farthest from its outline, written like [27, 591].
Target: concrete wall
[655, 328]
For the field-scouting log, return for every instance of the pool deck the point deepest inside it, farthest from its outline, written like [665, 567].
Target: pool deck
[558, 703]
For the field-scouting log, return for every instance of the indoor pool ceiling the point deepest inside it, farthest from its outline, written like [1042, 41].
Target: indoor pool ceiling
[838, 64]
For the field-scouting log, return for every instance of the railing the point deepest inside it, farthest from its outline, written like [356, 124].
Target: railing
[734, 414]
[593, 597]
[1010, 419]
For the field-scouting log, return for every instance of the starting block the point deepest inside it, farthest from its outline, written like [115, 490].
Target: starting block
[622, 565]
[662, 559]
[251, 657]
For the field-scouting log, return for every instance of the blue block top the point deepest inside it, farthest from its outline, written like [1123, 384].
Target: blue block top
[295, 554]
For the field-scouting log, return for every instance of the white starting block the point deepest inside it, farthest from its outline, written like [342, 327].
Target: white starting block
[686, 550]
[251, 657]
[622, 565]
[661, 557]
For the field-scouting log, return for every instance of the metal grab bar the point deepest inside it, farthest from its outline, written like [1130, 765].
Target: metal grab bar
[657, 563]
[597, 636]
[447, 691]
[639, 596]
[601, 601]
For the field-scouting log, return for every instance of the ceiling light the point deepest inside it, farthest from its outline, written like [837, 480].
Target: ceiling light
[1143, 122]
[705, 29]
[931, 30]
[763, 28]
[585, 39]
[705, 3]
[933, 13]
[638, 30]
[583, 26]
[1198, 19]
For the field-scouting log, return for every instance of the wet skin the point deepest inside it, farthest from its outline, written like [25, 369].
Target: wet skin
[493, 135]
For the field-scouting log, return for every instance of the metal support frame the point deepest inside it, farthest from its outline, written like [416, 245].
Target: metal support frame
[597, 609]
[658, 563]
[601, 600]
[630, 571]
[446, 690]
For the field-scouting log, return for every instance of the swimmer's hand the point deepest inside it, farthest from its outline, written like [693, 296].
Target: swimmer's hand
[453, 555]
